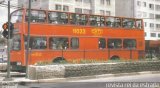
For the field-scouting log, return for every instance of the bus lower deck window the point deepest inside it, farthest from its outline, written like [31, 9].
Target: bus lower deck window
[129, 43]
[38, 43]
[74, 43]
[114, 43]
[58, 43]
[102, 43]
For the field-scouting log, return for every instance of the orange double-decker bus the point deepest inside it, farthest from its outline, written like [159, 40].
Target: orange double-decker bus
[56, 36]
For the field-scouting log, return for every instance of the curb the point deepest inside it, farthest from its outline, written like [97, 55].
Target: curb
[70, 79]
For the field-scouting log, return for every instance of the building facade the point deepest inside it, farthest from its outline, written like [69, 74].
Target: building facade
[98, 7]
[149, 10]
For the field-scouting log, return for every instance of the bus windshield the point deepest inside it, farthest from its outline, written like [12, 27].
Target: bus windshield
[16, 16]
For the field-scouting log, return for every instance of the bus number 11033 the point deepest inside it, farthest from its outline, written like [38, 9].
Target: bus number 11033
[79, 31]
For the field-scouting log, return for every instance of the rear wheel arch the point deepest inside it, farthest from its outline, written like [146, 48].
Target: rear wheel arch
[115, 57]
[58, 59]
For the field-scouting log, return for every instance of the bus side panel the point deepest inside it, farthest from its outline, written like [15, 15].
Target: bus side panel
[124, 54]
[73, 55]
[17, 56]
[91, 49]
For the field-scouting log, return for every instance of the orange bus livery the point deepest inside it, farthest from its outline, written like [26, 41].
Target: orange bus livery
[69, 36]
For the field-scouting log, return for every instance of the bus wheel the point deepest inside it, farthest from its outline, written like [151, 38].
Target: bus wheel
[59, 60]
[115, 58]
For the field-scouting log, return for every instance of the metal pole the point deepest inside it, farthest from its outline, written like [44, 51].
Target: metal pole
[28, 38]
[131, 54]
[8, 42]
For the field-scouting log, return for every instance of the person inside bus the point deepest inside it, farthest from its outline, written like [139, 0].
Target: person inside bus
[132, 24]
[125, 25]
[117, 24]
[34, 16]
[43, 44]
[73, 18]
[119, 45]
[52, 43]
[64, 44]
[34, 44]
[111, 45]
[93, 21]
[139, 26]
[41, 16]
[109, 24]
[52, 17]
[62, 18]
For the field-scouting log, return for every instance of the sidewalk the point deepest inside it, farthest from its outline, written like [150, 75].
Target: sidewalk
[24, 80]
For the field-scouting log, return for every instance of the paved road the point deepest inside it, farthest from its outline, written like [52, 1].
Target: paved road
[97, 83]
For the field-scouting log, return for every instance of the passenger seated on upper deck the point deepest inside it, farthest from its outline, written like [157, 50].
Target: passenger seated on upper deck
[128, 23]
[62, 18]
[111, 45]
[117, 24]
[82, 21]
[125, 25]
[139, 26]
[132, 25]
[93, 22]
[65, 21]
[52, 17]
[34, 16]
[102, 23]
[73, 19]
[41, 18]
[109, 24]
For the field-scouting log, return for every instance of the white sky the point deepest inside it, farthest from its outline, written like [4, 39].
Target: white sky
[4, 12]
[3, 16]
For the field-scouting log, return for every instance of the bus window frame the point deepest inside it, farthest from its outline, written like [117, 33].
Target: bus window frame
[77, 23]
[26, 16]
[46, 19]
[129, 48]
[50, 46]
[127, 27]
[142, 25]
[49, 12]
[71, 42]
[98, 22]
[104, 42]
[113, 46]
[113, 24]
[30, 42]
[59, 20]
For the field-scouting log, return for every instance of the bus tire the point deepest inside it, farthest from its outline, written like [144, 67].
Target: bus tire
[115, 57]
[59, 60]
